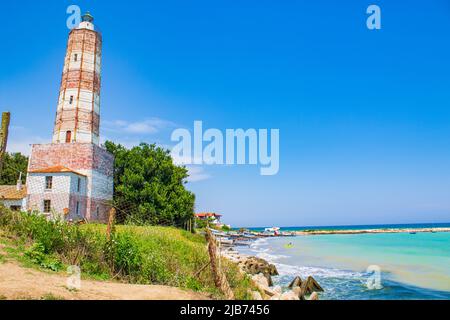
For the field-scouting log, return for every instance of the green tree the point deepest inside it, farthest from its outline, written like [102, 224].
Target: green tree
[14, 163]
[149, 187]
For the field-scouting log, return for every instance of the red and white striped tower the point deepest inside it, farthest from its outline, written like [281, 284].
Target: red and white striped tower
[78, 112]
[82, 170]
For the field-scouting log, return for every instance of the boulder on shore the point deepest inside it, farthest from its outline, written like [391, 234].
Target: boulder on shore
[298, 293]
[289, 295]
[256, 295]
[254, 265]
[310, 285]
[307, 287]
[297, 282]
[261, 281]
[314, 296]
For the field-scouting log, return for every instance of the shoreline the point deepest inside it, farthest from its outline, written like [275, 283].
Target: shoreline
[376, 231]
[261, 271]
[416, 289]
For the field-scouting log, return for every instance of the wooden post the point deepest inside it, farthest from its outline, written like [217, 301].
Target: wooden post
[4, 136]
[220, 279]
[111, 221]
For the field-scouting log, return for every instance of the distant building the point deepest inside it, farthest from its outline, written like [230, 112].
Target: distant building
[13, 197]
[73, 174]
[212, 217]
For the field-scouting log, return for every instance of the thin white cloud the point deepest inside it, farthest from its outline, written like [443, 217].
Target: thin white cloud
[197, 173]
[24, 145]
[20, 140]
[147, 126]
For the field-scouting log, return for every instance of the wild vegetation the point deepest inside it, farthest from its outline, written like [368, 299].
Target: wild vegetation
[149, 188]
[134, 254]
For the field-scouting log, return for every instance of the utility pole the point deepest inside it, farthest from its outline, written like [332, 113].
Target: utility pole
[4, 136]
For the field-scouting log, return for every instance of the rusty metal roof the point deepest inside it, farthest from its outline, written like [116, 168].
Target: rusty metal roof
[8, 192]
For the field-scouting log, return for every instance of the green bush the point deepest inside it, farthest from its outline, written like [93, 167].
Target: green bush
[37, 255]
[145, 255]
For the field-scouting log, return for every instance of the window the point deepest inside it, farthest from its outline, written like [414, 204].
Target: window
[78, 185]
[75, 57]
[78, 207]
[68, 136]
[48, 182]
[15, 208]
[97, 211]
[70, 99]
[47, 206]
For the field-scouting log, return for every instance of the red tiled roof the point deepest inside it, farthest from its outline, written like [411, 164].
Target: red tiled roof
[11, 192]
[56, 169]
[207, 214]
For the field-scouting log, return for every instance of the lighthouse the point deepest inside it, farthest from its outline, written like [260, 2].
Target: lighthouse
[73, 175]
[78, 112]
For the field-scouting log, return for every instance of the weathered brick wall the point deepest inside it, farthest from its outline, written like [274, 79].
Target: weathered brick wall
[103, 161]
[75, 156]
[103, 210]
[83, 202]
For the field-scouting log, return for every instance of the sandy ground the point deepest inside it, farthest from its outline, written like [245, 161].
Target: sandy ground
[17, 282]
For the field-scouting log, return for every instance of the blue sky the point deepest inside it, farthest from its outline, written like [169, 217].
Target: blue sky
[364, 116]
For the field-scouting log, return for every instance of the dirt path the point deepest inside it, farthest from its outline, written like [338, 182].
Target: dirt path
[17, 282]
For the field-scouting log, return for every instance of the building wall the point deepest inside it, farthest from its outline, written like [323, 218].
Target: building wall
[82, 201]
[59, 202]
[64, 193]
[60, 184]
[85, 158]
[8, 203]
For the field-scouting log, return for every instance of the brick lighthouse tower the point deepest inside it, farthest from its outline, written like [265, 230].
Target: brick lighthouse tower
[73, 175]
[78, 113]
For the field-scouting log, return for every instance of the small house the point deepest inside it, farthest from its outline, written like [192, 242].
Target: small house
[13, 196]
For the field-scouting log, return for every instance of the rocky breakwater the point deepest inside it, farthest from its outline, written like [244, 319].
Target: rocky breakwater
[261, 273]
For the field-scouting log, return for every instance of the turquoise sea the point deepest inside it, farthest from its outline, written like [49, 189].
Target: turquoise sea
[412, 266]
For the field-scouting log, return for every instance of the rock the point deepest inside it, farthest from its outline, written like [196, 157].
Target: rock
[277, 289]
[310, 285]
[297, 282]
[273, 270]
[260, 280]
[289, 295]
[269, 279]
[298, 292]
[254, 265]
[256, 295]
[275, 297]
[314, 296]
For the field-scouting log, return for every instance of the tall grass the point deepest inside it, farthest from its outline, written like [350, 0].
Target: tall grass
[144, 255]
